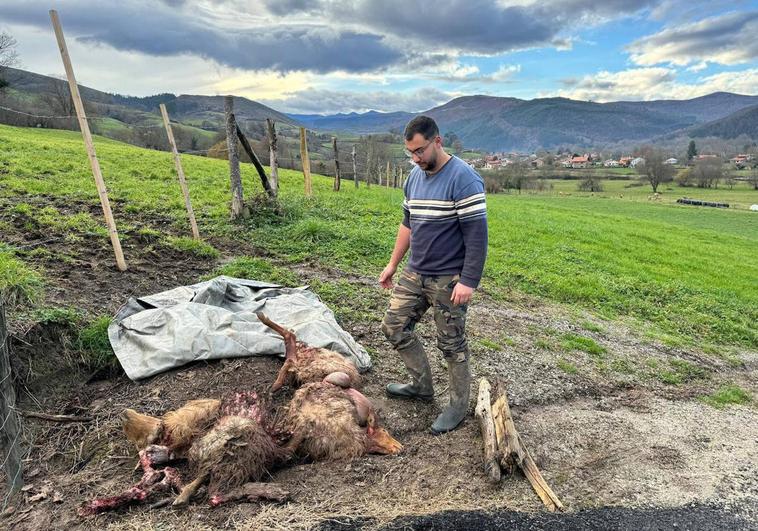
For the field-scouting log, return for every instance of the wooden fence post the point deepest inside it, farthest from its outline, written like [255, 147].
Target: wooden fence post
[234, 159]
[254, 159]
[9, 432]
[88, 144]
[387, 175]
[306, 163]
[180, 172]
[401, 177]
[273, 162]
[355, 172]
[337, 176]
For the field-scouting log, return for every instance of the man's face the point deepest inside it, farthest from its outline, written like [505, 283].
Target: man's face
[422, 151]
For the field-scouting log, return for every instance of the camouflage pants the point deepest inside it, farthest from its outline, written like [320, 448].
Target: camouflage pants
[413, 295]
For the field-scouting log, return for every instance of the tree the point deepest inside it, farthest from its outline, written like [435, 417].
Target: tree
[655, 170]
[752, 179]
[691, 150]
[707, 172]
[8, 56]
[58, 97]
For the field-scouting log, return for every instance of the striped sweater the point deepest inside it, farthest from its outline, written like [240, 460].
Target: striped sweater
[447, 216]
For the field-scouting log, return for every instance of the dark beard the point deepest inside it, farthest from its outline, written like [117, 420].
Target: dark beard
[430, 165]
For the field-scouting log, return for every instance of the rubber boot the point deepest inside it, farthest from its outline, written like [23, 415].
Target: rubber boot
[421, 375]
[460, 388]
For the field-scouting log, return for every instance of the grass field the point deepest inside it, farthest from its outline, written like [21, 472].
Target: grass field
[683, 274]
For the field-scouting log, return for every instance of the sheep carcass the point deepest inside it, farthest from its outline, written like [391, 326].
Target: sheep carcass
[227, 444]
[304, 364]
[239, 448]
[328, 420]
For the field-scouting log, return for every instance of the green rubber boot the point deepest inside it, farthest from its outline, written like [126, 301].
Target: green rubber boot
[421, 375]
[460, 388]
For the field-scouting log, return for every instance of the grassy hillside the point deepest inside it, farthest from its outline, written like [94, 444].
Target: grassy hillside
[684, 274]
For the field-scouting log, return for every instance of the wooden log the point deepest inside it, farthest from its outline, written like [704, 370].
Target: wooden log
[514, 453]
[254, 159]
[483, 412]
[306, 163]
[235, 176]
[273, 161]
[337, 177]
[88, 144]
[180, 172]
[355, 171]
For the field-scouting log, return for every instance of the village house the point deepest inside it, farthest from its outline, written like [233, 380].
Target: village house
[625, 161]
[580, 162]
[672, 161]
[638, 160]
[610, 163]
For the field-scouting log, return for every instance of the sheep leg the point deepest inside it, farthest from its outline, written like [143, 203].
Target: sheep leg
[281, 378]
[252, 492]
[189, 490]
[290, 341]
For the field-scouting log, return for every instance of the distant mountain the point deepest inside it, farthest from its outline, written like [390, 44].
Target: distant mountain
[483, 122]
[201, 111]
[742, 122]
[369, 122]
[505, 124]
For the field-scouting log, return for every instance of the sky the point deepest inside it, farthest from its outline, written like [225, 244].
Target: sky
[339, 56]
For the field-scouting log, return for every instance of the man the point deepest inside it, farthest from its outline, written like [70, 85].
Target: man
[445, 226]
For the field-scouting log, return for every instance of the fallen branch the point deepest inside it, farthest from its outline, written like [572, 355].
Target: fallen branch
[55, 418]
[483, 412]
[510, 449]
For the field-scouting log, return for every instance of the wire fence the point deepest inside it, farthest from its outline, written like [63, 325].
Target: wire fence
[10, 429]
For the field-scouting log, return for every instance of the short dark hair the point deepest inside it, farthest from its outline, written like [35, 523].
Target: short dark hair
[421, 124]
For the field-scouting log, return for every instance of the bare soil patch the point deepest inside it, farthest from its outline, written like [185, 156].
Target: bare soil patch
[610, 433]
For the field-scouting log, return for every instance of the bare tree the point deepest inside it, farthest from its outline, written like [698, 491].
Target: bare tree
[8, 56]
[58, 97]
[707, 172]
[655, 170]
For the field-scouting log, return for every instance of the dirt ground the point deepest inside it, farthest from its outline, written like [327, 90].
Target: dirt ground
[603, 437]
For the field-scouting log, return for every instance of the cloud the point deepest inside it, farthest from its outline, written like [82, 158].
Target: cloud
[726, 39]
[653, 84]
[323, 101]
[323, 36]
[163, 30]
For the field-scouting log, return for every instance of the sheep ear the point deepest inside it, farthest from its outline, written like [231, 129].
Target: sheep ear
[282, 376]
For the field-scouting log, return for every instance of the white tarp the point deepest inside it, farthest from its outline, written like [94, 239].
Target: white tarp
[216, 319]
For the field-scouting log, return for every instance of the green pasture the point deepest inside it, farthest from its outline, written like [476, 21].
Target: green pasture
[682, 274]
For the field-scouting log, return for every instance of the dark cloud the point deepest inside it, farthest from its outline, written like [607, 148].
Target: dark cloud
[156, 29]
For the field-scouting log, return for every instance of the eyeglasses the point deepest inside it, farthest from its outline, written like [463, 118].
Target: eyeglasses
[420, 151]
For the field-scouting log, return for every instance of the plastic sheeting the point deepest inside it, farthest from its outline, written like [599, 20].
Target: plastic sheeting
[216, 319]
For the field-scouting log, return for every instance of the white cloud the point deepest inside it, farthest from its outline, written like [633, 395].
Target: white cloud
[653, 84]
[726, 39]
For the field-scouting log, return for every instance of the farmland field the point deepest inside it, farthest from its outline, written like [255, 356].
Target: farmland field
[624, 326]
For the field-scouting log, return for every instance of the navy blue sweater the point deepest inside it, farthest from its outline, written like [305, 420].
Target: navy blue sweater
[447, 216]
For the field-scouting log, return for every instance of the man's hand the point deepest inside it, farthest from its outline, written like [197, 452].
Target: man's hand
[385, 279]
[461, 294]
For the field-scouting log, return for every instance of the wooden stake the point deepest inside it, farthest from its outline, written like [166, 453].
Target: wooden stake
[337, 178]
[254, 159]
[88, 144]
[483, 412]
[180, 172]
[234, 159]
[355, 172]
[273, 162]
[387, 175]
[9, 432]
[306, 163]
